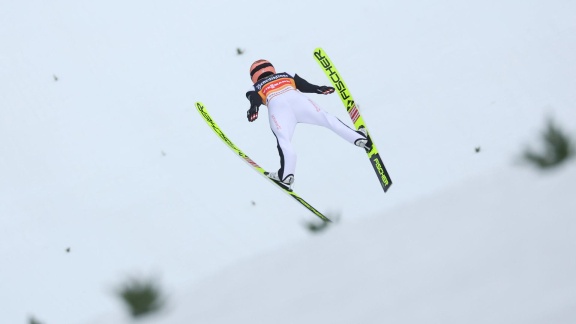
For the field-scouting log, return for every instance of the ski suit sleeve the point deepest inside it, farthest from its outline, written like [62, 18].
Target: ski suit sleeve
[254, 98]
[308, 87]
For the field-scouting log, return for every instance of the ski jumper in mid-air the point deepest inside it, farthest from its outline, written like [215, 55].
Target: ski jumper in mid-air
[287, 106]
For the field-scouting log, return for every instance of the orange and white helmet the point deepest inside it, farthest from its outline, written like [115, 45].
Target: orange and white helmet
[261, 68]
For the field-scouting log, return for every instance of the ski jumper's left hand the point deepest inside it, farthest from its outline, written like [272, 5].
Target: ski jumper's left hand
[324, 90]
[252, 113]
[255, 102]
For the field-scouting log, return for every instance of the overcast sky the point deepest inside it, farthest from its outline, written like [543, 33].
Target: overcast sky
[102, 150]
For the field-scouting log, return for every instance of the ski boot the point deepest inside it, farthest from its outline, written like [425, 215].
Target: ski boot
[364, 143]
[286, 183]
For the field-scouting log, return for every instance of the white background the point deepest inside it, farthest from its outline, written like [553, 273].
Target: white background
[113, 161]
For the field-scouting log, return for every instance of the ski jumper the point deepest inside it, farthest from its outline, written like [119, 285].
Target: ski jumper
[288, 106]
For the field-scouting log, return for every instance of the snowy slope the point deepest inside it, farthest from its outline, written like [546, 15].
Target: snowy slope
[499, 249]
[102, 151]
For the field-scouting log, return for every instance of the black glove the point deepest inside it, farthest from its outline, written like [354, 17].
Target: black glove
[324, 90]
[252, 113]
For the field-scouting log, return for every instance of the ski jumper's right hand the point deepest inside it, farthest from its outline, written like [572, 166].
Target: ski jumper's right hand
[324, 90]
[252, 113]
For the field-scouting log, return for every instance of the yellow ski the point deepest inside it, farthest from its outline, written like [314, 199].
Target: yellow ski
[202, 110]
[354, 113]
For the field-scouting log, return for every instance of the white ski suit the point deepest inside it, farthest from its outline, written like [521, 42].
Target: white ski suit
[288, 106]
